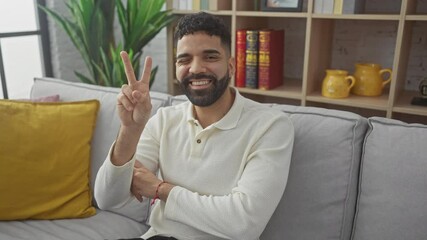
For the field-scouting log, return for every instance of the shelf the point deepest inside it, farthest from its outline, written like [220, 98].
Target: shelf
[271, 14]
[219, 12]
[416, 17]
[375, 103]
[290, 89]
[403, 104]
[390, 17]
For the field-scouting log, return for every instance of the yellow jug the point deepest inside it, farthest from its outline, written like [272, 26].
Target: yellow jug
[369, 79]
[337, 83]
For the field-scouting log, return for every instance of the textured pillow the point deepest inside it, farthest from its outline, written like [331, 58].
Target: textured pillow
[320, 195]
[107, 125]
[393, 185]
[52, 98]
[44, 159]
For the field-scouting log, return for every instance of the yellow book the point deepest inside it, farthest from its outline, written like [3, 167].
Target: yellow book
[338, 5]
[196, 5]
[213, 5]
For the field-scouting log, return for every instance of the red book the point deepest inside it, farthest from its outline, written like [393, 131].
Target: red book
[240, 58]
[270, 59]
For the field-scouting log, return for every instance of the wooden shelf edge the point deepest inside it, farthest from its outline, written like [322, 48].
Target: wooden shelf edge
[414, 110]
[273, 93]
[416, 17]
[374, 103]
[271, 14]
[390, 17]
[219, 12]
[403, 104]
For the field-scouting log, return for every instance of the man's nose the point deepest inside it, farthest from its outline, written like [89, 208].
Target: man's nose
[197, 66]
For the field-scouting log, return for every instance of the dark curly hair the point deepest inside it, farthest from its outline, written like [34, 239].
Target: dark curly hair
[204, 22]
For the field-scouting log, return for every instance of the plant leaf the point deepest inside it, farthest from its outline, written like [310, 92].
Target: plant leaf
[90, 29]
[83, 78]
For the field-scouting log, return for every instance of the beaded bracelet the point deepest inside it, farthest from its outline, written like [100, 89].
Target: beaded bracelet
[157, 193]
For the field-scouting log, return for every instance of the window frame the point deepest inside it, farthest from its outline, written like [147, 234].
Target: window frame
[43, 33]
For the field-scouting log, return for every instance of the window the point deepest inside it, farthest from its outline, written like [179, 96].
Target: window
[24, 47]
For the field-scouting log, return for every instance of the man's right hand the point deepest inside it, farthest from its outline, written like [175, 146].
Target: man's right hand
[134, 103]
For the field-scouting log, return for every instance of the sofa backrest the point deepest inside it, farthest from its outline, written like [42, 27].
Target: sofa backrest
[108, 122]
[320, 196]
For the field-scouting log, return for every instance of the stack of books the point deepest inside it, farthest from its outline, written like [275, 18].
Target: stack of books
[200, 5]
[339, 6]
[259, 58]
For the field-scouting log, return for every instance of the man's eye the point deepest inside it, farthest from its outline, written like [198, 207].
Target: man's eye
[182, 61]
[212, 57]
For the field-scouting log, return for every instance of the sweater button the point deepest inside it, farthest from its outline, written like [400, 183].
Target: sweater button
[199, 141]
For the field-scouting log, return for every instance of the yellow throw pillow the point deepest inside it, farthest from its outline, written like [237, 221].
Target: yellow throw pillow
[45, 159]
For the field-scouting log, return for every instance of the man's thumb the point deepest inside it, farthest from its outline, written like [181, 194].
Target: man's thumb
[136, 95]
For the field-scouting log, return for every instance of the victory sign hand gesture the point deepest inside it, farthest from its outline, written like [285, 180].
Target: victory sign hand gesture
[134, 104]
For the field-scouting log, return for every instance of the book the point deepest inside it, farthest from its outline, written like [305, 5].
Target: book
[318, 6]
[256, 5]
[217, 5]
[182, 4]
[328, 7]
[338, 5]
[353, 6]
[195, 5]
[204, 4]
[190, 5]
[176, 5]
[213, 5]
[270, 60]
[240, 58]
[251, 73]
[324, 6]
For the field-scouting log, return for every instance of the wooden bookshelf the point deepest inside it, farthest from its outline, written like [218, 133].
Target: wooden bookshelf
[315, 54]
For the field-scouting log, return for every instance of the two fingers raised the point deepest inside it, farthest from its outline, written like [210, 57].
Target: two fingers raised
[130, 74]
[134, 90]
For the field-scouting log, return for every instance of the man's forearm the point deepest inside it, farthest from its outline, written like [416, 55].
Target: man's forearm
[125, 145]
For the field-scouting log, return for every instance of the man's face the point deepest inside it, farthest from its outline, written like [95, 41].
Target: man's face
[203, 68]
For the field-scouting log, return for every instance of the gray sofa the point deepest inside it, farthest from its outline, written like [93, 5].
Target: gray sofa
[350, 178]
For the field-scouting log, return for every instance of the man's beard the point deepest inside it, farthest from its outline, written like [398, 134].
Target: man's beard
[205, 97]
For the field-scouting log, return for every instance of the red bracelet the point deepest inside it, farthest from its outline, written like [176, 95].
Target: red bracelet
[157, 193]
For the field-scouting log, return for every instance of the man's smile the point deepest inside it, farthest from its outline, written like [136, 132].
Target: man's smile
[197, 84]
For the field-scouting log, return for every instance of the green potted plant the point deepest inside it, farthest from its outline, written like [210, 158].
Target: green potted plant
[91, 30]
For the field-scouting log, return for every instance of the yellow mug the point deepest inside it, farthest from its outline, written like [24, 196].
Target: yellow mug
[370, 79]
[337, 83]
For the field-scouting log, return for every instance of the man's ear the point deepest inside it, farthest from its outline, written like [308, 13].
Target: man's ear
[232, 66]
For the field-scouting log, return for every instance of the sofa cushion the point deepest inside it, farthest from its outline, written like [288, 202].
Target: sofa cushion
[103, 225]
[393, 186]
[320, 195]
[44, 159]
[108, 122]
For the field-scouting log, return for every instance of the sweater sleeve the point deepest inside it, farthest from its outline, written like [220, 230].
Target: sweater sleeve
[250, 204]
[112, 184]
[112, 191]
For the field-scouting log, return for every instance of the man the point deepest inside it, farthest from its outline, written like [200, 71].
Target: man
[222, 160]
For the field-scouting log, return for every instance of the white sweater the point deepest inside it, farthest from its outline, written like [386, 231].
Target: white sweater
[229, 176]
